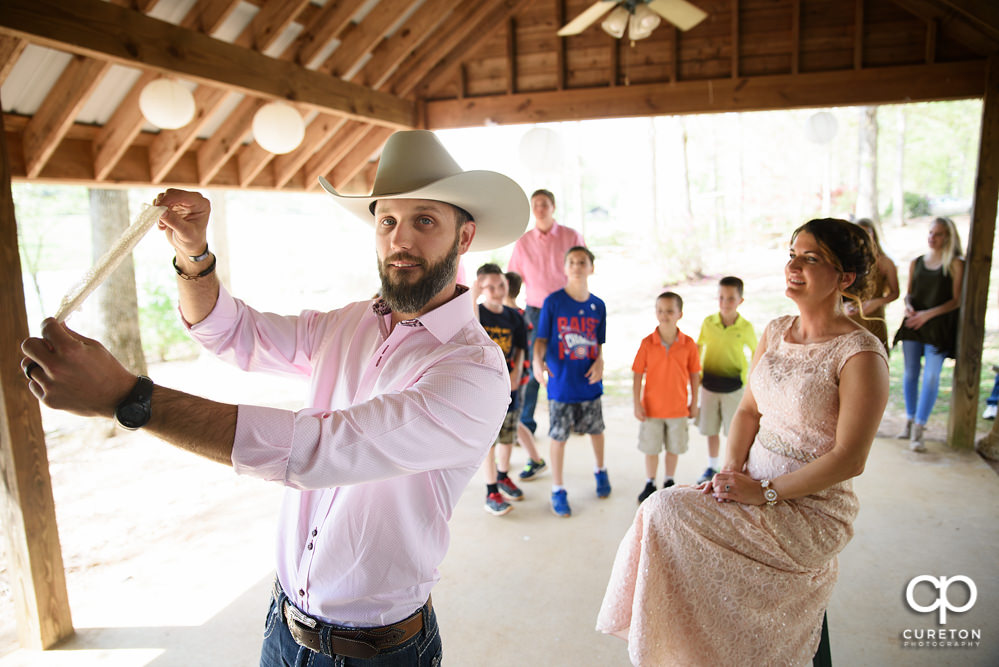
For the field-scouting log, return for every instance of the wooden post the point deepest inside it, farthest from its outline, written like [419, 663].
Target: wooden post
[36, 571]
[974, 295]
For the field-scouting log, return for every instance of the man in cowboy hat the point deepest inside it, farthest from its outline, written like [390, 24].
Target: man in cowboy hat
[407, 394]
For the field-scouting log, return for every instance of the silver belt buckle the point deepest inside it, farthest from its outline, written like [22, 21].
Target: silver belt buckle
[299, 617]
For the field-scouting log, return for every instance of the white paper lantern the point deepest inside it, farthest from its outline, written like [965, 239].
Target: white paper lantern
[821, 127]
[541, 149]
[278, 128]
[167, 104]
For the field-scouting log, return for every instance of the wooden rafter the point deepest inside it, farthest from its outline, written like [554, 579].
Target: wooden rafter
[170, 145]
[10, 51]
[955, 23]
[121, 129]
[362, 37]
[870, 86]
[56, 115]
[92, 27]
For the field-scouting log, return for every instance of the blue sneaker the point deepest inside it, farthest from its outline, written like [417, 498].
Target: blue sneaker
[706, 477]
[603, 484]
[560, 503]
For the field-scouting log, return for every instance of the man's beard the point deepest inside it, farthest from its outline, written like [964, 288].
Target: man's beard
[405, 297]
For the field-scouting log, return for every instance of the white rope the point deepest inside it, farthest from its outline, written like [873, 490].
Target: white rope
[103, 268]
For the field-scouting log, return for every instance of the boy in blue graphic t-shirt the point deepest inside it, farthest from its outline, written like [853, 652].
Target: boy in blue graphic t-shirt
[568, 360]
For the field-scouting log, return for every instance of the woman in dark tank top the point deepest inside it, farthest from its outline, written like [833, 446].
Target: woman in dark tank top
[930, 326]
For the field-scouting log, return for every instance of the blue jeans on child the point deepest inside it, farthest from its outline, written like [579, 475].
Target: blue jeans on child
[531, 315]
[919, 403]
[281, 650]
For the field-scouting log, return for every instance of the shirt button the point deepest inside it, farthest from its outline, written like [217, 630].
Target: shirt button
[309, 546]
[315, 531]
[301, 593]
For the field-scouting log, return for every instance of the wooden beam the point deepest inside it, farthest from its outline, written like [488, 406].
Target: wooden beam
[978, 264]
[795, 35]
[954, 24]
[319, 132]
[56, 114]
[447, 37]
[35, 573]
[103, 30]
[326, 26]
[984, 15]
[887, 85]
[511, 56]
[361, 38]
[123, 126]
[170, 145]
[560, 46]
[226, 140]
[735, 39]
[10, 51]
[931, 41]
[358, 158]
[345, 139]
[674, 59]
[269, 23]
[393, 51]
[858, 34]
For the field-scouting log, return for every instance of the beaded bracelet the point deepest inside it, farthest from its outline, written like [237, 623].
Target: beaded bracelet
[210, 269]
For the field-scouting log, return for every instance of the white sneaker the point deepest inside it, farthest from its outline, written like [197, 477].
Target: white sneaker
[990, 411]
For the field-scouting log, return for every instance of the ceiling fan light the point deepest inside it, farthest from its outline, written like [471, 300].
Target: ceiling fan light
[167, 104]
[642, 22]
[278, 127]
[616, 22]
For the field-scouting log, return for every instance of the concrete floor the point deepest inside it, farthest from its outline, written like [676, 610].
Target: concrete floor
[524, 589]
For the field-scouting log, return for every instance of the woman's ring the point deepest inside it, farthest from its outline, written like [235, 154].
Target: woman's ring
[727, 488]
[30, 368]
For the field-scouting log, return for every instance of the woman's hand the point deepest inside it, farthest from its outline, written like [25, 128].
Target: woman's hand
[917, 319]
[731, 486]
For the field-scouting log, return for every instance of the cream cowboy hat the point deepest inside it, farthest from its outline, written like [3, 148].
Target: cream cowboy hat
[415, 165]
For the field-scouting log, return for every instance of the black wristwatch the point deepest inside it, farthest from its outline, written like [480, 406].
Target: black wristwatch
[134, 412]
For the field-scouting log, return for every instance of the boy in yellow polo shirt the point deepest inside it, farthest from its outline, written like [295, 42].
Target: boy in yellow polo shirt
[724, 338]
[669, 362]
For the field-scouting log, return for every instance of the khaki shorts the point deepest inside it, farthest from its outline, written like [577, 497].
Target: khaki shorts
[508, 431]
[654, 434]
[717, 410]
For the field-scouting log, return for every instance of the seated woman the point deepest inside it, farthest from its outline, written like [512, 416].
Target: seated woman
[739, 570]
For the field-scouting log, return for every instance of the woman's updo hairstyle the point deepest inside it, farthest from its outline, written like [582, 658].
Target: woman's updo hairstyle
[849, 248]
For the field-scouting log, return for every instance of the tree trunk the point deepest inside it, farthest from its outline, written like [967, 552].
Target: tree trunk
[220, 238]
[867, 177]
[898, 199]
[118, 304]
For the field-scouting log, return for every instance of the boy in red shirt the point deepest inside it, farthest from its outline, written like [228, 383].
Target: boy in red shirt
[670, 363]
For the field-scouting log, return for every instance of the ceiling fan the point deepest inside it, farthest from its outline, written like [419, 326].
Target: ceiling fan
[638, 17]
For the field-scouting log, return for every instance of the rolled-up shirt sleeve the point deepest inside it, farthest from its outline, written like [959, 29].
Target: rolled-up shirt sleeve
[446, 419]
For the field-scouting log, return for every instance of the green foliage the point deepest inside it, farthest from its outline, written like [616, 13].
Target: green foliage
[163, 335]
[916, 205]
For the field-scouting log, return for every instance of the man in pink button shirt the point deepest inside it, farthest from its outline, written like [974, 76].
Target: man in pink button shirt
[407, 394]
[539, 258]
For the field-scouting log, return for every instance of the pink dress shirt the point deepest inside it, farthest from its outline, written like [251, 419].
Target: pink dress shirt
[539, 258]
[397, 425]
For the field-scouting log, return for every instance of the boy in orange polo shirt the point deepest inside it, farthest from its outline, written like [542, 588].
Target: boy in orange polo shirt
[669, 361]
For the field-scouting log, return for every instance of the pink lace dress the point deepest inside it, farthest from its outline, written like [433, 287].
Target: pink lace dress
[698, 582]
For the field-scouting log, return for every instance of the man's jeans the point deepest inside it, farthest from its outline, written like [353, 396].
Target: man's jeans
[280, 650]
[531, 315]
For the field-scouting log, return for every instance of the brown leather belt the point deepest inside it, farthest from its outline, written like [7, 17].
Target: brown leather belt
[360, 643]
